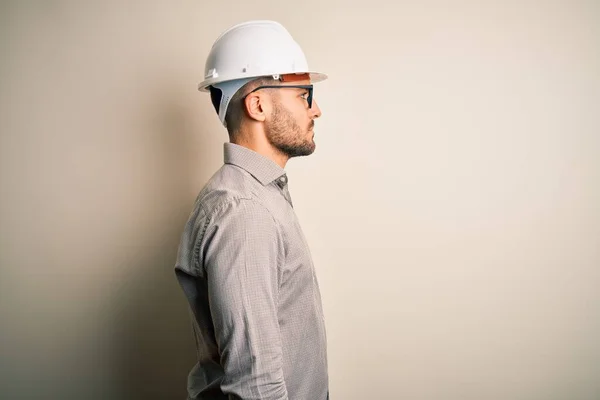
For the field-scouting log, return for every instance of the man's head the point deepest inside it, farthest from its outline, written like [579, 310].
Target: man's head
[247, 72]
[282, 110]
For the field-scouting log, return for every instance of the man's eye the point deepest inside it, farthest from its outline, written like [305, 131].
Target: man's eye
[304, 95]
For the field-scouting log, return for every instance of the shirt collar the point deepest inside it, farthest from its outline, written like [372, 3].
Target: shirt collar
[259, 166]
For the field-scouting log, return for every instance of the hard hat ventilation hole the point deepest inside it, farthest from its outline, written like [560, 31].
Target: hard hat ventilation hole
[225, 102]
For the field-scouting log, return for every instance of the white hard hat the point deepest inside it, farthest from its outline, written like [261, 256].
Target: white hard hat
[250, 50]
[253, 49]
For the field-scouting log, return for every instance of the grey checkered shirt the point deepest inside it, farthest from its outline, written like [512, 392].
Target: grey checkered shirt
[246, 270]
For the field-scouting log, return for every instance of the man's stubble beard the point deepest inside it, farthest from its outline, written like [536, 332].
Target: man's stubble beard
[284, 133]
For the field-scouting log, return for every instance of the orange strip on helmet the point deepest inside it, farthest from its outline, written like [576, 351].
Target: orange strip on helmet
[294, 77]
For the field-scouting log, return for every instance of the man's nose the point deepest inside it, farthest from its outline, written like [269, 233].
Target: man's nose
[315, 110]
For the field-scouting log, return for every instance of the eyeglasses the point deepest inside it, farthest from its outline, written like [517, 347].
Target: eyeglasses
[306, 87]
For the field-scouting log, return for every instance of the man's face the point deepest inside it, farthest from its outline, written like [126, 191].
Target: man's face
[290, 128]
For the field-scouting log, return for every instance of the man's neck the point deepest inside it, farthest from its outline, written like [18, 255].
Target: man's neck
[260, 145]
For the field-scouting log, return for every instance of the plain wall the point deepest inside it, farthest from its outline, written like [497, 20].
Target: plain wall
[452, 205]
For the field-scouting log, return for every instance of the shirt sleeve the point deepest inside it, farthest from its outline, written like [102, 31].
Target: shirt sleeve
[241, 262]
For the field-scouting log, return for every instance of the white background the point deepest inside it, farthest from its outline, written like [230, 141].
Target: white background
[452, 205]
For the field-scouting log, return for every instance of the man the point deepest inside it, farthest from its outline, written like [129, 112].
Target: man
[243, 262]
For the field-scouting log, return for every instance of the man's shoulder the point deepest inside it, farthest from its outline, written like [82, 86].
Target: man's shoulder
[228, 184]
[227, 193]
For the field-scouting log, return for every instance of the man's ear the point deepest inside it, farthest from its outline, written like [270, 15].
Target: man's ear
[257, 106]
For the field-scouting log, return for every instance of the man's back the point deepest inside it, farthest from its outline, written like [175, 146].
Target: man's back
[247, 273]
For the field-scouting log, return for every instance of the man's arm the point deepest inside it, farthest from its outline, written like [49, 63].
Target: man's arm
[241, 259]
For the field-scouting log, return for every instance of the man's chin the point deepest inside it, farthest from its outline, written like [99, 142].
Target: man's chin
[300, 151]
[308, 150]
